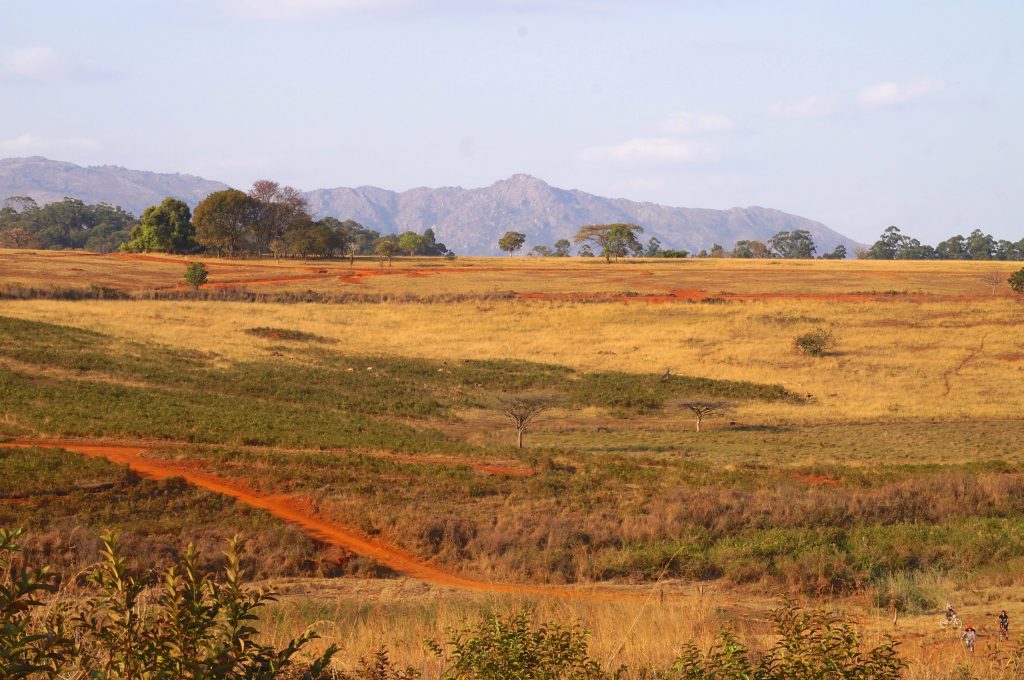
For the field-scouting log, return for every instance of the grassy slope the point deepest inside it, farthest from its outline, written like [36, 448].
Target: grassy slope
[733, 502]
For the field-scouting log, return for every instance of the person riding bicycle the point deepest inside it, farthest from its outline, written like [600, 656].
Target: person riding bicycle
[950, 613]
[1004, 624]
[969, 636]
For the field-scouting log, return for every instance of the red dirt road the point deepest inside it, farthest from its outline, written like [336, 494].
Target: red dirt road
[291, 510]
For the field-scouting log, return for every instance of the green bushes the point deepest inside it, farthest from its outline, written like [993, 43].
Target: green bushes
[502, 648]
[190, 626]
[193, 627]
[812, 645]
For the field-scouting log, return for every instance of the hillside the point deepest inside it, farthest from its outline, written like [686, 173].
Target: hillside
[469, 221]
[47, 181]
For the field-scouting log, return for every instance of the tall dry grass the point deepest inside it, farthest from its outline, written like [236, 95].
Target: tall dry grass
[895, 360]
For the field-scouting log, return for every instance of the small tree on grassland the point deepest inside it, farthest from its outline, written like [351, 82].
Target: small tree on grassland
[815, 343]
[993, 279]
[703, 409]
[615, 240]
[196, 275]
[1016, 281]
[522, 409]
[512, 241]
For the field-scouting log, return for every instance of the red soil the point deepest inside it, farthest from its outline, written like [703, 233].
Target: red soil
[298, 514]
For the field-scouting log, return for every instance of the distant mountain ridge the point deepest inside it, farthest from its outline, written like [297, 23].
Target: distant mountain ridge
[469, 221]
[47, 181]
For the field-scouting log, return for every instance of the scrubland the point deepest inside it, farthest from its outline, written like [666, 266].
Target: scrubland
[885, 476]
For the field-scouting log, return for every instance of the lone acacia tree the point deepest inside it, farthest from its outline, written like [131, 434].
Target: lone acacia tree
[522, 409]
[703, 409]
[512, 241]
[615, 240]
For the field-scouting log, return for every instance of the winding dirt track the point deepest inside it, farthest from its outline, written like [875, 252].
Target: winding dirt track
[291, 510]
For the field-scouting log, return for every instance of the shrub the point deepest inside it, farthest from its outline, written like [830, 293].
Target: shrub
[812, 644]
[1016, 281]
[196, 275]
[193, 627]
[816, 343]
[498, 649]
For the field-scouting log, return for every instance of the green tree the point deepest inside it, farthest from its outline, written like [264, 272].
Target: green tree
[793, 245]
[386, 248]
[1016, 281]
[223, 220]
[653, 248]
[838, 254]
[541, 251]
[196, 274]
[562, 247]
[614, 240]
[410, 243]
[511, 241]
[164, 228]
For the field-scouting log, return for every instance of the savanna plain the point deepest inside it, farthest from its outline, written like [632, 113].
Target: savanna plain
[347, 419]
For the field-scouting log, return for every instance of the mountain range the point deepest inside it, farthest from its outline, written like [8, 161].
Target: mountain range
[469, 221]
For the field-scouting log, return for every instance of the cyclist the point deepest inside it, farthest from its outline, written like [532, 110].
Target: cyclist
[950, 613]
[1004, 625]
[969, 636]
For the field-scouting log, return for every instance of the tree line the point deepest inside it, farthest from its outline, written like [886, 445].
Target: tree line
[895, 245]
[67, 224]
[270, 219]
[613, 241]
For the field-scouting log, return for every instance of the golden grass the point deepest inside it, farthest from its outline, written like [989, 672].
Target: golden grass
[362, 617]
[895, 359]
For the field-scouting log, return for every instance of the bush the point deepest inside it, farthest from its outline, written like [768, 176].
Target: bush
[816, 343]
[812, 644]
[193, 627]
[498, 649]
[1016, 281]
[196, 275]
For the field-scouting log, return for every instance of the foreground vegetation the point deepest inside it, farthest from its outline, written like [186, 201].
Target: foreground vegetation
[883, 472]
[187, 625]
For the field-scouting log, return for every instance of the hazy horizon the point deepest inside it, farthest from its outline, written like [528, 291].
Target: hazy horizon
[854, 117]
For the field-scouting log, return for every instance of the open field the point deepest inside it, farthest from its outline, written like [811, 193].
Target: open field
[889, 471]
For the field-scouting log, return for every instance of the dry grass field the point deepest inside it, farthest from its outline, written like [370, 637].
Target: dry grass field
[890, 471]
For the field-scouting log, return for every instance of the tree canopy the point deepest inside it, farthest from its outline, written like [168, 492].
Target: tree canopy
[511, 241]
[614, 240]
[66, 224]
[165, 228]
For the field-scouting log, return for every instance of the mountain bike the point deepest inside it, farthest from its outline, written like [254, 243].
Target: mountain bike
[955, 623]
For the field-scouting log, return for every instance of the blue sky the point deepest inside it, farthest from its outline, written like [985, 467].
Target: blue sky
[859, 115]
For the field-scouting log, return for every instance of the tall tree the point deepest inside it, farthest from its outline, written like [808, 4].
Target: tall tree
[793, 245]
[278, 207]
[511, 241]
[164, 228]
[562, 247]
[614, 240]
[223, 220]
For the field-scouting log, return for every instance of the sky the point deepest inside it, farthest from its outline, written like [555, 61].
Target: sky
[859, 115]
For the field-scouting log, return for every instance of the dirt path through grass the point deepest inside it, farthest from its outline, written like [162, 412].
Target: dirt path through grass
[294, 512]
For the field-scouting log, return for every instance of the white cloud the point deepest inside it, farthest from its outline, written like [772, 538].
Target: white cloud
[35, 144]
[814, 106]
[652, 150]
[32, 63]
[891, 94]
[696, 123]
